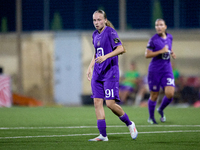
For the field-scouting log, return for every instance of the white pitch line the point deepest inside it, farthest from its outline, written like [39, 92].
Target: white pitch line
[79, 127]
[47, 136]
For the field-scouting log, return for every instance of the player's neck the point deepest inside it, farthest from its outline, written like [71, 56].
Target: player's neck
[101, 29]
[163, 35]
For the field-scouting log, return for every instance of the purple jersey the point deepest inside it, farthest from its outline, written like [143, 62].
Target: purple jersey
[160, 63]
[104, 43]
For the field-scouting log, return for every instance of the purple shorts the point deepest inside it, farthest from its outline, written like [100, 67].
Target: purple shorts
[107, 90]
[161, 79]
[126, 88]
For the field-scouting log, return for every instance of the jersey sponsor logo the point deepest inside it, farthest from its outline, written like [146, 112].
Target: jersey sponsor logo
[116, 40]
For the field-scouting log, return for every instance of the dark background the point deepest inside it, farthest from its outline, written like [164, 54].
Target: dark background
[77, 14]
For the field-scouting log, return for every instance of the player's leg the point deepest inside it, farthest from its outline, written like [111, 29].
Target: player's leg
[151, 106]
[124, 95]
[117, 110]
[99, 110]
[167, 99]
[140, 94]
[169, 92]
[154, 87]
[112, 95]
[97, 90]
[169, 89]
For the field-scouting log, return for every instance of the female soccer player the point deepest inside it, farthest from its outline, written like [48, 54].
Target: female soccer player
[105, 77]
[160, 73]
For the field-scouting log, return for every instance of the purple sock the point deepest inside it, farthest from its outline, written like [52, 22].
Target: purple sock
[151, 107]
[101, 124]
[125, 119]
[165, 102]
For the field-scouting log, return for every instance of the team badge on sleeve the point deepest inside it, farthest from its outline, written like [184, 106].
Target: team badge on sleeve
[116, 40]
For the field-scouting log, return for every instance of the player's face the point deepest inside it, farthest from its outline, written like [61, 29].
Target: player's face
[160, 26]
[99, 21]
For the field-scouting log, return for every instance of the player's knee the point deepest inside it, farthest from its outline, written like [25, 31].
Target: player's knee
[97, 103]
[169, 94]
[109, 104]
[154, 96]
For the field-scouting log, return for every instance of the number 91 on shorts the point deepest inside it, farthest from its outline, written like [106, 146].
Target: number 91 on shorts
[106, 90]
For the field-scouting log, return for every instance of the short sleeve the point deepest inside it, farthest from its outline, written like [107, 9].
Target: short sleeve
[93, 38]
[150, 45]
[114, 38]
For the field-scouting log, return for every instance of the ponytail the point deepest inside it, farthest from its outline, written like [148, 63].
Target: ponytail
[109, 24]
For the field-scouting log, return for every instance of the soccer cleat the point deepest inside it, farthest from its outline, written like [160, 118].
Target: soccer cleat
[133, 130]
[152, 121]
[163, 118]
[99, 138]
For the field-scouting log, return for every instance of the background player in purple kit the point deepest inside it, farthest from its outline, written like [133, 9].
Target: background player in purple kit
[160, 73]
[105, 78]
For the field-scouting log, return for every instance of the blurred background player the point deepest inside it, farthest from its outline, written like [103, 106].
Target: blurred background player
[128, 83]
[105, 78]
[160, 73]
[142, 93]
[178, 84]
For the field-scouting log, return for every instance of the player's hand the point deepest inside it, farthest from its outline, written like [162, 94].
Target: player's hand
[100, 59]
[173, 55]
[164, 50]
[89, 74]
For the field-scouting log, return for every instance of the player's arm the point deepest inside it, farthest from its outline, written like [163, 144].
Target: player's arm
[150, 53]
[173, 54]
[119, 50]
[89, 71]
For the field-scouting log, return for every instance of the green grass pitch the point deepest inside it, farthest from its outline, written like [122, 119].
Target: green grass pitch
[40, 128]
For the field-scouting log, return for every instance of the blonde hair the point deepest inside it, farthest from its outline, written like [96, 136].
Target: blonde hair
[109, 24]
[160, 19]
